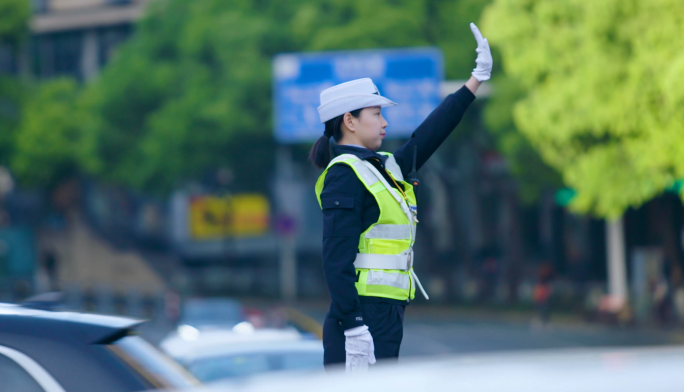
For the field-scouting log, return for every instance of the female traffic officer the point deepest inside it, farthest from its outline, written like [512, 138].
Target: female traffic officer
[370, 214]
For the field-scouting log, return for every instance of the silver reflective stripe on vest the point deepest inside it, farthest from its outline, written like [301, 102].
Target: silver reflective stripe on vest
[393, 167]
[366, 175]
[388, 262]
[380, 278]
[402, 203]
[389, 232]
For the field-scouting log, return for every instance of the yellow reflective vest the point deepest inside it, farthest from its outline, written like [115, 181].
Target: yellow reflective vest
[384, 263]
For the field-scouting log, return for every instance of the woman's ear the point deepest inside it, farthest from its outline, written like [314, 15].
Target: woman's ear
[348, 121]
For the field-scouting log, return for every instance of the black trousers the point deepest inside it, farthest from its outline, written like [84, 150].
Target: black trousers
[385, 323]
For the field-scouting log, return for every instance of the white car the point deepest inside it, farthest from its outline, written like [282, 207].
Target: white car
[242, 351]
[207, 313]
[656, 369]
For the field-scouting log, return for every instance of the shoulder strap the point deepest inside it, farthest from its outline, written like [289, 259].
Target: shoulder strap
[366, 176]
[392, 165]
[342, 157]
[402, 203]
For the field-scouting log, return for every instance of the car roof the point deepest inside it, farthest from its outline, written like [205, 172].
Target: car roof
[88, 328]
[211, 301]
[296, 347]
[568, 370]
[178, 347]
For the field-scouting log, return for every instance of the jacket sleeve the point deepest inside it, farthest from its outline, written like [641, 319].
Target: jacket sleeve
[342, 202]
[434, 130]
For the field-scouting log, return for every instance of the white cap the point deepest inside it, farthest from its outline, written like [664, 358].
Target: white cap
[345, 97]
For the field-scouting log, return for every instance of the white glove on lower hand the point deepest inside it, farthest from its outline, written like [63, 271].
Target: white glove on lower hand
[360, 350]
[484, 61]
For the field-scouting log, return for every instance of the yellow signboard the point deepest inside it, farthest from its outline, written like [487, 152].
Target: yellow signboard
[240, 215]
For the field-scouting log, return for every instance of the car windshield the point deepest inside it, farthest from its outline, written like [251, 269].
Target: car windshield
[241, 365]
[158, 369]
[203, 312]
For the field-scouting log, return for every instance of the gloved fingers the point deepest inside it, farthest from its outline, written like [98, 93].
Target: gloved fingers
[478, 36]
[352, 346]
[357, 363]
[350, 361]
[359, 347]
[371, 351]
[362, 363]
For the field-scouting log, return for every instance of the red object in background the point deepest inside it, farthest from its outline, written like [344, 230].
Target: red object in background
[542, 290]
[272, 317]
[541, 293]
[254, 317]
[493, 162]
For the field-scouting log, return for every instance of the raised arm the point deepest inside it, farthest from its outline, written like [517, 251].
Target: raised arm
[441, 122]
[473, 84]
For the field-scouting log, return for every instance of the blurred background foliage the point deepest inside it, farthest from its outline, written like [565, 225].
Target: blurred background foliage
[13, 23]
[191, 90]
[55, 139]
[597, 93]
[14, 15]
[587, 93]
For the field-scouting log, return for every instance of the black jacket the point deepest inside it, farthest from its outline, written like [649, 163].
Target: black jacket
[349, 209]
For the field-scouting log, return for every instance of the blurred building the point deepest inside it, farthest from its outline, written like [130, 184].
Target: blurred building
[75, 37]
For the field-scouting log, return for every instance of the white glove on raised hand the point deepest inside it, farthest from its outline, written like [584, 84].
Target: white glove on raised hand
[484, 61]
[360, 349]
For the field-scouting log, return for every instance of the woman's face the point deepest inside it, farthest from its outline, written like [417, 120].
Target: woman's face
[369, 127]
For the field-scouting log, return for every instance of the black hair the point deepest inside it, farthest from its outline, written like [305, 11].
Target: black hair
[320, 154]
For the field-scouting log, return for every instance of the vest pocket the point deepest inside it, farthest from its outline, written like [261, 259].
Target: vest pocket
[338, 217]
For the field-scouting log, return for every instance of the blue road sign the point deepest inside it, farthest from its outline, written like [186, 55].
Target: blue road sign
[409, 77]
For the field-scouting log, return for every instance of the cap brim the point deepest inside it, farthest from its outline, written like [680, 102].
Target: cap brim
[349, 103]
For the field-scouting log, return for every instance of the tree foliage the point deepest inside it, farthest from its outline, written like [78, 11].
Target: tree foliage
[12, 97]
[55, 139]
[191, 89]
[533, 176]
[14, 16]
[603, 96]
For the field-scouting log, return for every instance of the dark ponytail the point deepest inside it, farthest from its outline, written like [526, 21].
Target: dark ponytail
[320, 154]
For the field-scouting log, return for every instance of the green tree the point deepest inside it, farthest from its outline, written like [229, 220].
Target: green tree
[602, 93]
[14, 16]
[55, 139]
[359, 24]
[191, 89]
[177, 94]
[533, 175]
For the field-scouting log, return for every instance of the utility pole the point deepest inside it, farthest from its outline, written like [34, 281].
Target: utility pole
[617, 273]
[286, 231]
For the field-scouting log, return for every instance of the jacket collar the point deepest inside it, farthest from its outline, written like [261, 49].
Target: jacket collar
[362, 153]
